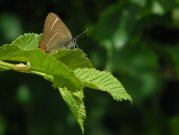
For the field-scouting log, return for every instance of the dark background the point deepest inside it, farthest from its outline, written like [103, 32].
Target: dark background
[136, 40]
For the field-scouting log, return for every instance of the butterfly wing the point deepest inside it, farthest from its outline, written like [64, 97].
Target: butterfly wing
[55, 34]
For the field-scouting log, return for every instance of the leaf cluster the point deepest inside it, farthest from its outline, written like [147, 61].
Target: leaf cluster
[68, 70]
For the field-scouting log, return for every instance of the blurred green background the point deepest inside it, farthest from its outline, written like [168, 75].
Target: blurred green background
[136, 40]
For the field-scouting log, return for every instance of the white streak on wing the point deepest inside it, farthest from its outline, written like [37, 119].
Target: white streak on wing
[54, 24]
[52, 38]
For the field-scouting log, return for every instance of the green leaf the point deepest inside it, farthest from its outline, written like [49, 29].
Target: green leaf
[74, 101]
[17, 50]
[73, 58]
[27, 41]
[22, 50]
[121, 28]
[104, 81]
[62, 76]
[12, 53]
[57, 67]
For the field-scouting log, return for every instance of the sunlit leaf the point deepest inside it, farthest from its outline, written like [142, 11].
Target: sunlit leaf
[104, 81]
[27, 41]
[62, 76]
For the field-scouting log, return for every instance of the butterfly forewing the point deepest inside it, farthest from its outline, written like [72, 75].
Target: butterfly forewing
[55, 34]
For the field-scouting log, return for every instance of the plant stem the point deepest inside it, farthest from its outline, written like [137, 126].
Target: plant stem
[17, 67]
[23, 68]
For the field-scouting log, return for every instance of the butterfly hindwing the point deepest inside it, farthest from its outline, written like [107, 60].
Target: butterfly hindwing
[55, 34]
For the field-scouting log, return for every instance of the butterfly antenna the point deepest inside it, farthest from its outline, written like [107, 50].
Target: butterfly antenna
[75, 39]
[81, 35]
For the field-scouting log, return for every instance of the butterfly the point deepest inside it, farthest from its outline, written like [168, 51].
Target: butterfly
[55, 35]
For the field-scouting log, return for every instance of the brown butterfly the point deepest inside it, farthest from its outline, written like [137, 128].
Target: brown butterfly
[56, 35]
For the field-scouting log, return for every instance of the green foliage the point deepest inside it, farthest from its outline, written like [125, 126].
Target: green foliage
[136, 40]
[69, 58]
[102, 81]
[69, 71]
[132, 51]
[18, 50]
[61, 74]
[74, 101]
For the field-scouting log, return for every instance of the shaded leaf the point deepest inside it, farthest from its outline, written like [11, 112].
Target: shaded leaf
[73, 58]
[74, 101]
